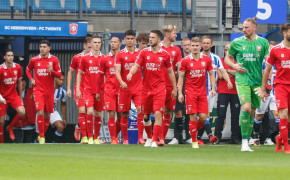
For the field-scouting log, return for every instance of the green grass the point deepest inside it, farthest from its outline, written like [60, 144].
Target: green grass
[75, 161]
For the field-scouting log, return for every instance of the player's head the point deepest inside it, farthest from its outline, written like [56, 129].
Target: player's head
[206, 43]
[24, 83]
[130, 38]
[185, 45]
[60, 81]
[96, 43]
[87, 44]
[142, 40]
[272, 44]
[155, 37]
[249, 26]
[115, 43]
[227, 47]
[285, 31]
[44, 47]
[195, 45]
[169, 32]
[9, 56]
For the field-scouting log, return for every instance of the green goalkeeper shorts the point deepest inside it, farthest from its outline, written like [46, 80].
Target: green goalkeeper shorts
[246, 93]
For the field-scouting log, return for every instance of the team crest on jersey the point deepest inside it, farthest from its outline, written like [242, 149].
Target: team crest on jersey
[126, 58]
[278, 103]
[258, 48]
[73, 28]
[282, 55]
[203, 64]
[38, 64]
[191, 64]
[15, 73]
[173, 53]
[160, 59]
[243, 98]
[244, 47]
[148, 57]
[50, 63]
[110, 62]
[5, 74]
[91, 61]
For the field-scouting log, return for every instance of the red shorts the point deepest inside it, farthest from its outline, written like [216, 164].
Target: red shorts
[111, 102]
[90, 101]
[125, 97]
[196, 104]
[44, 101]
[15, 102]
[79, 102]
[282, 94]
[152, 102]
[169, 102]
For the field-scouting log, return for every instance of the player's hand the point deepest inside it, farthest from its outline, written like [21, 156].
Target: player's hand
[50, 68]
[65, 123]
[238, 67]
[230, 85]
[32, 82]
[3, 101]
[124, 85]
[79, 94]
[174, 93]
[212, 93]
[129, 77]
[180, 97]
[263, 94]
[98, 96]
[69, 93]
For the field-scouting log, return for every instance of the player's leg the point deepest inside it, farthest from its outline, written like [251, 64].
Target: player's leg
[124, 104]
[57, 122]
[222, 106]
[178, 126]
[258, 121]
[90, 124]
[235, 115]
[2, 121]
[207, 127]
[169, 106]
[148, 129]
[118, 124]
[82, 124]
[112, 126]
[140, 124]
[98, 107]
[147, 108]
[157, 129]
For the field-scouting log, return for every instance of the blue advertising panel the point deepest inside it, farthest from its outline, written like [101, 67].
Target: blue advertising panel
[267, 11]
[43, 28]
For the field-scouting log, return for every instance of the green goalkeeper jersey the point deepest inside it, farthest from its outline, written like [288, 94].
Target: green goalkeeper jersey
[251, 54]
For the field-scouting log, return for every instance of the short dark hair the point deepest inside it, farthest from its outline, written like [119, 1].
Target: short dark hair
[87, 40]
[284, 27]
[118, 38]
[96, 36]
[8, 50]
[62, 73]
[143, 37]
[45, 41]
[159, 34]
[130, 33]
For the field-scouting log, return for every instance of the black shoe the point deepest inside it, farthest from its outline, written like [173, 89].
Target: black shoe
[217, 142]
[183, 142]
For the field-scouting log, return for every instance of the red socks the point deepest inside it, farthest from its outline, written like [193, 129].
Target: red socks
[1, 134]
[14, 121]
[193, 130]
[165, 125]
[148, 128]
[97, 126]
[283, 126]
[46, 124]
[90, 125]
[156, 131]
[124, 127]
[118, 127]
[112, 128]
[140, 125]
[288, 126]
[40, 125]
[199, 124]
[82, 123]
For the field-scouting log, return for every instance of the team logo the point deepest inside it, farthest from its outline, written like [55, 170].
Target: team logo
[160, 59]
[110, 62]
[244, 47]
[91, 61]
[191, 64]
[258, 48]
[38, 64]
[278, 103]
[243, 98]
[121, 107]
[15, 73]
[189, 108]
[126, 58]
[5, 74]
[50, 63]
[73, 28]
[203, 64]
[282, 55]
[148, 57]
[173, 53]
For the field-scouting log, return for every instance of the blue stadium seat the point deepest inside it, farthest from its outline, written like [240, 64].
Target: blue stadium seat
[174, 6]
[72, 5]
[150, 7]
[105, 6]
[5, 6]
[20, 5]
[48, 6]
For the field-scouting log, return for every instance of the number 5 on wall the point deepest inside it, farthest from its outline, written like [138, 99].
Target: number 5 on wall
[268, 10]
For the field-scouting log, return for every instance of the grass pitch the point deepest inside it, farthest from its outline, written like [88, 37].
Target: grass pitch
[76, 161]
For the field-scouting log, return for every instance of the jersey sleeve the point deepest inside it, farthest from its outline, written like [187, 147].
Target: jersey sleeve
[74, 63]
[233, 49]
[56, 68]
[29, 68]
[271, 59]
[140, 59]
[82, 65]
[183, 65]
[219, 63]
[118, 59]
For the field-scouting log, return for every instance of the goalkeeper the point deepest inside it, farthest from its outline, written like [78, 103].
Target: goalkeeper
[249, 50]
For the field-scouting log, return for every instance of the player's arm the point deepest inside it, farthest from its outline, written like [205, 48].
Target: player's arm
[172, 79]
[28, 71]
[264, 81]
[19, 87]
[79, 79]
[69, 80]
[2, 100]
[238, 67]
[133, 70]
[55, 69]
[180, 85]
[64, 110]
[226, 77]
[212, 82]
[118, 76]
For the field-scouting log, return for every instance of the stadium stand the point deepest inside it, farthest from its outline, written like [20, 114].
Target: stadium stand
[5, 6]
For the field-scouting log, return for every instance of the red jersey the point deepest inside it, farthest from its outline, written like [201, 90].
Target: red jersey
[280, 56]
[222, 87]
[8, 79]
[196, 73]
[175, 54]
[153, 65]
[126, 60]
[107, 67]
[44, 79]
[75, 63]
[90, 66]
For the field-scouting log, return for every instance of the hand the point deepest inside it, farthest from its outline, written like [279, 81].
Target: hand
[124, 85]
[212, 93]
[129, 77]
[174, 93]
[50, 68]
[32, 82]
[65, 123]
[98, 97]
[230, 85]
[69, 93]
[239, 68]
[3, 101]
[79, 94]
[180, 97]
[263, 95]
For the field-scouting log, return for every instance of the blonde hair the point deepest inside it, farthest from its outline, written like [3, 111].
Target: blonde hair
[253, 20]
[195, 39]
[168, 28]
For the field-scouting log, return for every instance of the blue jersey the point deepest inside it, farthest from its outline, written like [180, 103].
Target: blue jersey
[273, 75]
[59, 94]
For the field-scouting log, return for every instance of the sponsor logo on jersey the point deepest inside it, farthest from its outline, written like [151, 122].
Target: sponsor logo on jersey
[258, 48]
[73, 28]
